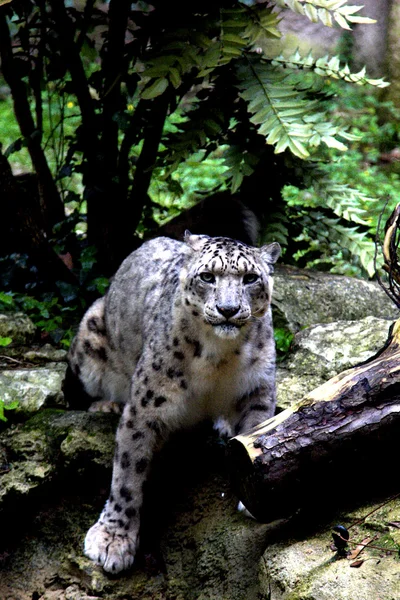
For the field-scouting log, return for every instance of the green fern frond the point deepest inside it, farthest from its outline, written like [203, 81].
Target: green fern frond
[344, 201]
[190, 136]
[234, 22]
[329, 236]
[326, 11]
[327, 67]
[276, 229]
[185, 51]
[239, 165]
[284, 114]
[262, 25]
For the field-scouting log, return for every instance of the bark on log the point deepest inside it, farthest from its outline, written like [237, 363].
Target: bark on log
[340, 439]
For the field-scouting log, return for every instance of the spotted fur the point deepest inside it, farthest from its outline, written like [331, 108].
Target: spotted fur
[183, 334]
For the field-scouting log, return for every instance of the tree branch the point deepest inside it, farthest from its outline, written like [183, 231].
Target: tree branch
[51, 204]
[79, 80]
[113, 55]
[148, 156]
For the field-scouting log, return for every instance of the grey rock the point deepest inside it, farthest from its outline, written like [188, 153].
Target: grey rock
[209, 549]
[302, 298]
[46, 353]
[322, 351]
[33, 389]
[308, 569]
[33, 453]
[17, 326]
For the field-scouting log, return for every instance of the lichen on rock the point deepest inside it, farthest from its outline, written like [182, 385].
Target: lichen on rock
[55, 470]
[324, 350]
[33, 389]
[302, 298]
[18, 327]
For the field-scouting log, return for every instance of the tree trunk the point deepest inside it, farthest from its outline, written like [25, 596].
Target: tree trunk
[391, 93]
[51, 204]
[370, 41]
[23, 230]
[336, 441]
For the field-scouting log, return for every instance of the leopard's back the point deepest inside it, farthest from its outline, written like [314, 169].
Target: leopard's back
[109, 341]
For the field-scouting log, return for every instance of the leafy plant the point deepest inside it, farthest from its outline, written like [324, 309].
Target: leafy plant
[283, 340]
[49, 315]
[10, 406]
[337, 230]
[199, 104]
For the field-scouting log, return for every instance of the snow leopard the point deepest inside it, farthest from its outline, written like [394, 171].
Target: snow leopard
[184, 334]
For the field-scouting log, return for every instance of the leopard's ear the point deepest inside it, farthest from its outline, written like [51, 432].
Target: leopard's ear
[270, 253]
[195, 241]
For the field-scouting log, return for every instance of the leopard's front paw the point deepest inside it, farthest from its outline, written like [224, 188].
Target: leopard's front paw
[114, 551]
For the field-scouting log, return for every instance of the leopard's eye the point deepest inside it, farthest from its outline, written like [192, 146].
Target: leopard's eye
[207, 277]
[250, 278]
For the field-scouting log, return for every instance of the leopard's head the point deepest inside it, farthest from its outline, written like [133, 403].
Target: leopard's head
[227, 283]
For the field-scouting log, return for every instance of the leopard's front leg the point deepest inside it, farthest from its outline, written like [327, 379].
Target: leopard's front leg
[256, 406]
[112, 542]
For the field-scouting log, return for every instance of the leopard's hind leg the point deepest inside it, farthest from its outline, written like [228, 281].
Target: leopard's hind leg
[92, 364]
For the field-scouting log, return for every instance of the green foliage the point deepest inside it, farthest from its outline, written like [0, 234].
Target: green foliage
[357, 186]
[283, 340]
[281, 105]
[48, 314]
[10, 406]
[326, 11]
[201, 105]
[6, 300]
[5, 341]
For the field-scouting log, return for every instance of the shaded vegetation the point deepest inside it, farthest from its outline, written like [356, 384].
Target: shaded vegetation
[126, 114]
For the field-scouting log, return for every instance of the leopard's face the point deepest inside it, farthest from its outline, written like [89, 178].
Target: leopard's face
[227, 283]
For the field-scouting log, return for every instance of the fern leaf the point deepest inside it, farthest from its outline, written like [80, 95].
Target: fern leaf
[326, 11]
[344, 201]
[330, 239]
[284, 115]
[233, 22]
[262, 25]
[327, 66]
[239, 165]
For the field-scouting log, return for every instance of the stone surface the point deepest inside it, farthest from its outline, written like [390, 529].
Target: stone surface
[196, 546]
[303, 298]
[33, 452]
[55, 471]
[206, 548]
[46, 353]
[32, 388]
[322, 351]
[17, 326]
[308, 568]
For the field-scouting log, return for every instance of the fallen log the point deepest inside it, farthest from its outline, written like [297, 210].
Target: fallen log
[343, 437]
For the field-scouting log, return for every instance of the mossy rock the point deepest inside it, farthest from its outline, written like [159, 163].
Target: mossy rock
[303, 298]
[18, 327]
[322, 351]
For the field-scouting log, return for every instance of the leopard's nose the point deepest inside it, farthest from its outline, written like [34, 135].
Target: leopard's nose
[228, 311]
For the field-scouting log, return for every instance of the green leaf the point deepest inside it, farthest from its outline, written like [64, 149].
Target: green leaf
[175, 77]
[324, 10]
[155, 89]
[6, 299]
[326, 66]
[5, 341]
[284, 115]
[10, 406]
